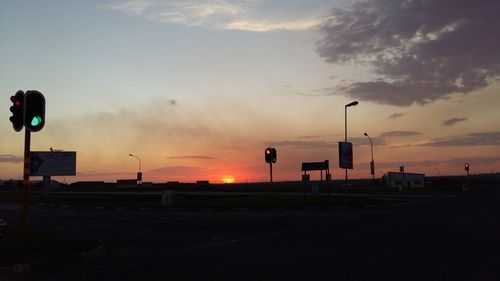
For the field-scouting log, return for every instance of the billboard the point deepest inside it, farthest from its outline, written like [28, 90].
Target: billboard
[48, 163]
[345, 155]
[315, 166]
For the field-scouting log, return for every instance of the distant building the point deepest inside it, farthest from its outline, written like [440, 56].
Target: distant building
[126, 183]
[409, 180]
[87, 184]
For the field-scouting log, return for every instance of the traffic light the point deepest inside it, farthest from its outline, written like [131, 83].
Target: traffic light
[467, 167]
[270, 155]
[17, 110]
[34, 111]
[267, 155]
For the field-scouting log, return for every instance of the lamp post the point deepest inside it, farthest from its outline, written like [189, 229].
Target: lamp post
[354, 103]
[139, 174]
[372, 164]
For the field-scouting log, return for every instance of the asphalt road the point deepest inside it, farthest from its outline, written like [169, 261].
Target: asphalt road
[446, 238]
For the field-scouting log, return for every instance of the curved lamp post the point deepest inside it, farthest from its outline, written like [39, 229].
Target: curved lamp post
[372, 164]
[354, 103]
[139, 173]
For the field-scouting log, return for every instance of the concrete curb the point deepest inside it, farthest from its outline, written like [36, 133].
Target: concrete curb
[240, 209]
[85, 256]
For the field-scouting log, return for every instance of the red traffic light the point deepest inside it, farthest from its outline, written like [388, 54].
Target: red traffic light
[467, 166]
[270, 155]
[17, 109]
[16, 102]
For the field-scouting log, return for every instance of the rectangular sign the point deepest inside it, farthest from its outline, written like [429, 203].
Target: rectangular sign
[345, 155]
[48, 163]
[315, 166]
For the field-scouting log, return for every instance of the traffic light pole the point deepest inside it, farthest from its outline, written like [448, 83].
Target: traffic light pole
[271, 171]
[26, 182]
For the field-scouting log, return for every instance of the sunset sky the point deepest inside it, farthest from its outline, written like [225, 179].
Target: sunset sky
[198, 89]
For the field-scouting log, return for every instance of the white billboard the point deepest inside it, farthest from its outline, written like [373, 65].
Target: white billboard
[48, 163]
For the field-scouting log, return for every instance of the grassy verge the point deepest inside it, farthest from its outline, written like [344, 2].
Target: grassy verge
[15, 250]
[194, 201]
[276, 201]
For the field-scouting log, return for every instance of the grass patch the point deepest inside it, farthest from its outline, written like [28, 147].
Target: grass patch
[266, 201]
[228, 200]
[15, 250]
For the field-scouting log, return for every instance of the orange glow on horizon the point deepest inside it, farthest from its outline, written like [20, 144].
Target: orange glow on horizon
[228, 179]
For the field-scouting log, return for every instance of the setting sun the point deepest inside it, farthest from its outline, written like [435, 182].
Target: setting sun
[228, 179]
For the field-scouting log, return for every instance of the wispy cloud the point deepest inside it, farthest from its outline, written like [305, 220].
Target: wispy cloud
[267, 25]
[395, 115]
[137, 7]
[201, 157]
[9, 158]
[175, 170]
[457, 162]
[294, 144]
[418, 51]
[399, 134]
[473, 139]
[452, 121]
[246, 15]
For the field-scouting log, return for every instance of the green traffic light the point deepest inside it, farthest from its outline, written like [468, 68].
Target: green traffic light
[37, 120]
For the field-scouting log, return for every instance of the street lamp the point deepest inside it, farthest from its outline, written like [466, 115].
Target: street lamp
[372, 164]
[354, 103]
[139, 174]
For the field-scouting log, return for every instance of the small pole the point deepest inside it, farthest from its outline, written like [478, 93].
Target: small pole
[345, 140]
[271, 171]
[26, 183]
[468, 179]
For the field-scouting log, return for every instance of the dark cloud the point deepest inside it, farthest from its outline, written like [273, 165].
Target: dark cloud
[176, 170]
[311, 137]
[420, 51]
[103, 174]
[399, 134]
[487, 161]
[483, 138]
[458, 162]
[317, 136]
[452, 121]
[365, 141]
[9, 158]
[202, 157]
[304, 144]
[299, 144]
[395, 116]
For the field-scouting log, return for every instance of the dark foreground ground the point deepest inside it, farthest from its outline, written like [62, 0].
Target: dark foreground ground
[453, 237]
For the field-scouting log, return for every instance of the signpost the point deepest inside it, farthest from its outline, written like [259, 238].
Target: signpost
[345, 155]
[47, 163]
[317, 166]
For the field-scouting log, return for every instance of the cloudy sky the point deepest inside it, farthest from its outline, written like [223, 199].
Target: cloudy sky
[198, 89]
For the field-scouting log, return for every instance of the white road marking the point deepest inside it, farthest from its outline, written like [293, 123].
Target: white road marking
[232, 241]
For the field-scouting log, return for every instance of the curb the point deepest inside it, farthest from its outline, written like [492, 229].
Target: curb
[85, 256]
[208, 210]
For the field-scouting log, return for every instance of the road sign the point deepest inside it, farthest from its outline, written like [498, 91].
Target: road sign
[345, 155]
[47, 163]
[315, 166]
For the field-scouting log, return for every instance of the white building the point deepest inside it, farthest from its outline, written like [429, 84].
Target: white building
[409, 180]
